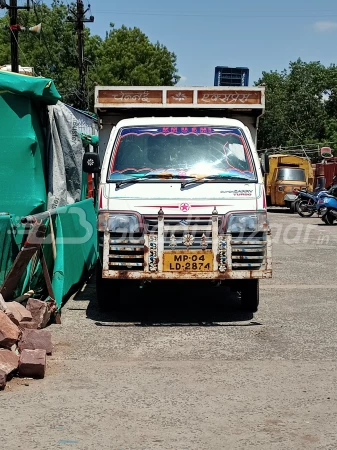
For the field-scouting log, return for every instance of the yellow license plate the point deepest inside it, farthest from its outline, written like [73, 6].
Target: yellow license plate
[188, 261]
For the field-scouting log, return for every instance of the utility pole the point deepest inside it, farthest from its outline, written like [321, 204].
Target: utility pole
[80, 43]
[14, 29]
[13, 15]
[78, 17]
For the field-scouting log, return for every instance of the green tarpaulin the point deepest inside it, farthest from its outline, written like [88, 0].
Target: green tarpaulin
[22, 173]
[25, 176]
[8, 247]
[22, 143]
[76, 245]
[41, 89]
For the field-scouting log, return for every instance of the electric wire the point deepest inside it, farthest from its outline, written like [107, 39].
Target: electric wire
[44, 41]
[253, 15]
[20, 48]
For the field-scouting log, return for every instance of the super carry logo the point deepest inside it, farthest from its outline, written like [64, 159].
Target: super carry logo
[239, 192]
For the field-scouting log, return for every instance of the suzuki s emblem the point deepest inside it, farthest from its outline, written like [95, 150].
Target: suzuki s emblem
[184, 207]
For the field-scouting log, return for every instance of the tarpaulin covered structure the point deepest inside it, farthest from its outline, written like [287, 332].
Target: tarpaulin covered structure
[22, 146]
[41, 159]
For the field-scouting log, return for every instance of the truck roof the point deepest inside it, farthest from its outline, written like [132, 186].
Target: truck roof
[174, 97]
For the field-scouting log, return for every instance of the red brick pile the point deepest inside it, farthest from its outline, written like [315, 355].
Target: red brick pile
[24, 343]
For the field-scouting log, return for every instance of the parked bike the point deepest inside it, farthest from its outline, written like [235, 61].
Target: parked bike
[327, 206]
[306, 202]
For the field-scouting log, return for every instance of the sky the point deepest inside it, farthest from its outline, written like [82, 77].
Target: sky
[262, 35]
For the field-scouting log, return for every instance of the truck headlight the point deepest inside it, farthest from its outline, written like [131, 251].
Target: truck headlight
[247, 223]
[118, 223]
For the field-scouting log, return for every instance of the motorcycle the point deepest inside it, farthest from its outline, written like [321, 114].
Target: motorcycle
[306, 202]
[327, 207]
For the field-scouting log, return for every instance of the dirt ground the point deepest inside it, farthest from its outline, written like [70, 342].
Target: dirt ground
[188, 369]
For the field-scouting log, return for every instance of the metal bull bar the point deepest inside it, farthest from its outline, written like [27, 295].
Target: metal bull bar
[145, 257]
[156, 243]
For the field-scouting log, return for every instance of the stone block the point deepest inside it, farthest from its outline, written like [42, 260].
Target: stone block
[32, 363]
[18, 313]
[9, 332]
[40, 312]
[36, 339]
[30, 324]
[9, 361]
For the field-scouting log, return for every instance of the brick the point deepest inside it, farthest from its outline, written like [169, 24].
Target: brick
[31, 325]
[9, 332]
[36, 339]
[32, 363]
[18, 313]
[9, 361]
[3, 378]
[40, 312]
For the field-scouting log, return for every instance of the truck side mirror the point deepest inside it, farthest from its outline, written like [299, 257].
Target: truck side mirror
[91, 163]
[265, 163]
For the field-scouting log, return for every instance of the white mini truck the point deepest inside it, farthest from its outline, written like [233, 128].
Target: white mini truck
[181, 190]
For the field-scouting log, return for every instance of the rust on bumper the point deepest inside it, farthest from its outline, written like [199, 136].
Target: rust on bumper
[230, 275]
[234, 258]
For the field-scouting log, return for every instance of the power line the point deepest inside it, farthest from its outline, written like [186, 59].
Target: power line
[297, 148]
[17, 43]
[219, 14]
[35, 3]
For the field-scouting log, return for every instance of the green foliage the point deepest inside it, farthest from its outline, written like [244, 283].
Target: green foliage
[124, 57]
[127, 57]
[301, 105]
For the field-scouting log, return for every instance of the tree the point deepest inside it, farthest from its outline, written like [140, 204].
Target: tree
[124, 57]
[127, 57]
[301, 105]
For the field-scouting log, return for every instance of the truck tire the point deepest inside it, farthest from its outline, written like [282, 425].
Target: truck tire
[250, 295]
[107, 291]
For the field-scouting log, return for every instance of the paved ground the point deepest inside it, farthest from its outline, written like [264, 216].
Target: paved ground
[193, 373]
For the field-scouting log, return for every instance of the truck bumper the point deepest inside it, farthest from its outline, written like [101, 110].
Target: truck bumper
[145, 258]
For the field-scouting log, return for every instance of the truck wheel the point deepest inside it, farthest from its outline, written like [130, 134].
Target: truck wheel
[107, 291]
[250, 295]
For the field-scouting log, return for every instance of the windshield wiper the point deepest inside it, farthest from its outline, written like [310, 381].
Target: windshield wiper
[143, 177]
[212, 177]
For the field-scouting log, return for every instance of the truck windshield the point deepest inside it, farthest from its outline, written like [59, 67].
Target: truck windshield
[290, 174]
[181, 152]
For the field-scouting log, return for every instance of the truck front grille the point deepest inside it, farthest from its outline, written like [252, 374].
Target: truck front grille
[248, 251]
[126, 254]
